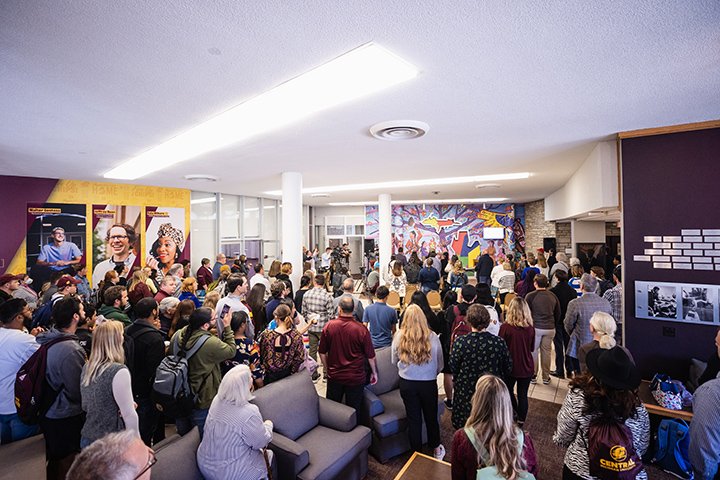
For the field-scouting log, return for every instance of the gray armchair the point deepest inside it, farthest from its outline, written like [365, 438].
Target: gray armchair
[313, 437]
[383, 411]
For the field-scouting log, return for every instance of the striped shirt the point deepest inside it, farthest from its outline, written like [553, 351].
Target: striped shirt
[572, 432]
[318, 303]
[705, 431]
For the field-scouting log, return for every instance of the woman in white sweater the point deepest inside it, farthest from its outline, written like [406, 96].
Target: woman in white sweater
[235, 434]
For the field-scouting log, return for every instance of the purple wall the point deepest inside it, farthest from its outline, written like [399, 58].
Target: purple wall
[669, 182]
[15, 194]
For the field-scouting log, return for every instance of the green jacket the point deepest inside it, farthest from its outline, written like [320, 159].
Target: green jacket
[112, 313]
[204, 366]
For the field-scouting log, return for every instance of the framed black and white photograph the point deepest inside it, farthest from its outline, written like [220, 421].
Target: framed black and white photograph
[698, 303]
[662, 301]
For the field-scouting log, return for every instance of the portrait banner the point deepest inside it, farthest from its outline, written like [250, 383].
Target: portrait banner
[115, 240]
[55, 239]
[166, 237]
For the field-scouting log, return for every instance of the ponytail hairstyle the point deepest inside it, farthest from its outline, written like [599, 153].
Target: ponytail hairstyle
[605, 326]
[283, 315]
[198, 318]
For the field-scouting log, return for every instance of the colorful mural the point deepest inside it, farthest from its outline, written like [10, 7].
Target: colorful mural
[456, 229]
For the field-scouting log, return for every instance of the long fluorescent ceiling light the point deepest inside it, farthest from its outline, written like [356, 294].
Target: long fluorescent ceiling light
[410, 183]
[359, 72]
[430, 201]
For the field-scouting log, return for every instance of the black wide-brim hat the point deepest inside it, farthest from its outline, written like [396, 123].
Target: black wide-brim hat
[613, 368]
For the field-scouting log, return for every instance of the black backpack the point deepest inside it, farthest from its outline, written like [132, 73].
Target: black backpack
[33, 394]
[42, 317]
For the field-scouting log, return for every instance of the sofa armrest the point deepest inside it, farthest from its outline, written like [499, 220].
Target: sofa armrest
[291, 457]
[372, 404]
[336, 415]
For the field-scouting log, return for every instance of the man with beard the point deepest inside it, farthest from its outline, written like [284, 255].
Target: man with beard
[17, 346]
[120, 239]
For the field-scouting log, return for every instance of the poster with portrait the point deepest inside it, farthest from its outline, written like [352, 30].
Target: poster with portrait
[115, 240]
[166, 237]
[55, 239]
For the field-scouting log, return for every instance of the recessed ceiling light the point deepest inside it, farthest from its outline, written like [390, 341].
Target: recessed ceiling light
[320, 195]
[201, 176]
[359, 72]
[426, 182]
[399, 130]
[487, 185]
[431, 201]
[197, 201]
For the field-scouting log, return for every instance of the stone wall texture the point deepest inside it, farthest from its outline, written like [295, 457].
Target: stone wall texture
[536, 228]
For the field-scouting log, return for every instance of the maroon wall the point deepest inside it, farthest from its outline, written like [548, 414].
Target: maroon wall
[15, 194]
[669, 182]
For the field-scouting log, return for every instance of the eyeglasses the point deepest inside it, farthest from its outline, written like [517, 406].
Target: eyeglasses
[152, 460]
[118, 237]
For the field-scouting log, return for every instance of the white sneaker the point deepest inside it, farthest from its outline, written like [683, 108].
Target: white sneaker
[439, 452]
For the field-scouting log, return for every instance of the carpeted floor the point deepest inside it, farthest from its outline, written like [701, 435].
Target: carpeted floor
[541, 422]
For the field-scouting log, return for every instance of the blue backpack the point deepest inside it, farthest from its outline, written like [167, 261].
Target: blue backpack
[671, 448]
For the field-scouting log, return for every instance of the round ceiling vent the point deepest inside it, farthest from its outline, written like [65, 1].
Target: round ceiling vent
[399, 130]
[201, 176]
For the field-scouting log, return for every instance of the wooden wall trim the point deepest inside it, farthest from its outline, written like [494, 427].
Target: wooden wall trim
[685, 127]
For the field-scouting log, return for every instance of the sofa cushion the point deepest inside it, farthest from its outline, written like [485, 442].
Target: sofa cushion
[177, 457]
[388, 377]
[331, 451]
[394, 418]
[23, 459]
[291, 404]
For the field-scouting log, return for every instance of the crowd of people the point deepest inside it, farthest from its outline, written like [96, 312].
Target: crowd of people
[240, 329]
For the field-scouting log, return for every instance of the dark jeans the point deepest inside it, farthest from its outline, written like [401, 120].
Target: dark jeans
[573, 365]
[560, 342]
[148, 417]
[196, 419]
[12, 429]
[421, 400]
[519, 403]
[353, 394]
[62, 443]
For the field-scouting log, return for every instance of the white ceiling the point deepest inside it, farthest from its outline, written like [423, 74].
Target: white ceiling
[506, 86]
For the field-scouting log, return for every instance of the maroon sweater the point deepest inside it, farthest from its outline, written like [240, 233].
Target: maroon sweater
[521, 343]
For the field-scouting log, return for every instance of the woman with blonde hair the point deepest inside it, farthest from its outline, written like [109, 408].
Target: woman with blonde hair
[105, 386]
[211, 300]
[490, 438]
[235, 433]
[602, 327]
[187, 291]
[397, 280]
[519, 335]
[286, 270]
[417, 352]
[457, 277]
[138, 289]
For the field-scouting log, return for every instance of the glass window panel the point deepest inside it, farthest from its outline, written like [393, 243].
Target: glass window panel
[270, 230]
[336, 230]
[230, 216]
[203, 218]
[270, 253]
[251, 217]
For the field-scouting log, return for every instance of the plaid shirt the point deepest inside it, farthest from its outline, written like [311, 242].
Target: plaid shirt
[318, 301]
[614, 296]
[577, 320]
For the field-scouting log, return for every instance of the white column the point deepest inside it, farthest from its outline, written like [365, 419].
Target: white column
[292, 222]
[385, 232]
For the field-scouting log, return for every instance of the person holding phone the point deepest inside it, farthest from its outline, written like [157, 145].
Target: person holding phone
[237, 287]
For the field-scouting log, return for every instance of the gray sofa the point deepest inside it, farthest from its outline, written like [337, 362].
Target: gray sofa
[176, 457]
[314, 438]
[383, 411]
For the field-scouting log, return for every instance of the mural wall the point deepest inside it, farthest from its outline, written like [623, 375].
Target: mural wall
[456, 229]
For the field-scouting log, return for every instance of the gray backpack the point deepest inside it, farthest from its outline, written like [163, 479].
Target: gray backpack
[171, 390]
